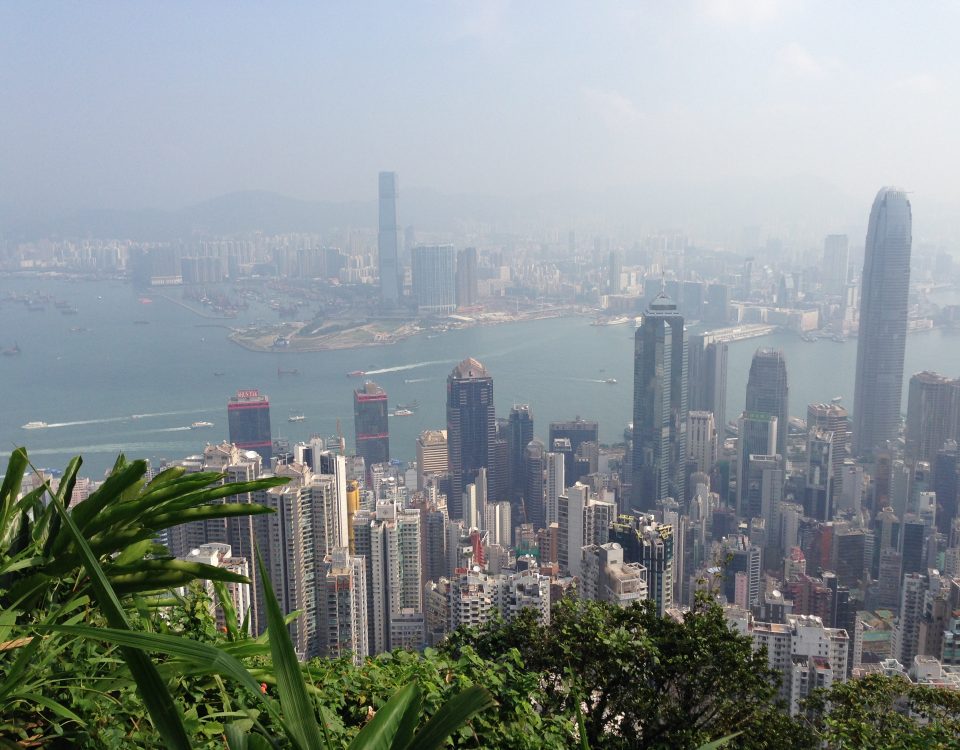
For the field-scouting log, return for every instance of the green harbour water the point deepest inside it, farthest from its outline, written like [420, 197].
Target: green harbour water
[88, 385]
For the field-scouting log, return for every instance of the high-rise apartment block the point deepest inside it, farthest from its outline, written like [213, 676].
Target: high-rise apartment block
[432, 458]
[882, 341]
[345, 628]
[646, 541]
[466, 277]
[605, 577]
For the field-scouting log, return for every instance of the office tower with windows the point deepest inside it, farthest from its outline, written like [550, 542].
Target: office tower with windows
[432, 459]
[534, 506]
[434, 271]
[946, 485]
[248, 418]
[519, 435]
[833, 418]
[467, 292]
[701, 440]
[707, 382]
[818, 492]
[835, 263]
[883, 323]
[371, 426]
[659, 406]
[757, 437]
[718, 304]
[933, 414]
[767, 391]
[388, 241]
[471, 429]
[578, 431]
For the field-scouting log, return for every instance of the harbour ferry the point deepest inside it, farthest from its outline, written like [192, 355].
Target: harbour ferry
[200, 425]
[356, 373]
[297, 418]
[402, 413]
[35, 425]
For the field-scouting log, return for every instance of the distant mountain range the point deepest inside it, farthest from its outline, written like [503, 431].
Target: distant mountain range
[717, 212]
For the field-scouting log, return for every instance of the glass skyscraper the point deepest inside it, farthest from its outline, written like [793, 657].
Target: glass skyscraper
[883, 322]
[767, 391]
[659, 406]
[371, 425]
[248, 418]
[471, 429]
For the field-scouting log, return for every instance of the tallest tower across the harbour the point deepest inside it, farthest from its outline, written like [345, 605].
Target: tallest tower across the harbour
[388, 240]
[883, 322]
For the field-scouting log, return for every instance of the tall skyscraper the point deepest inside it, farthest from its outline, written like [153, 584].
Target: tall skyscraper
[519, 435]
[388, 240]
[371, 424]
[467, 292]
[757, 437]
[248, 418]
[701, 440]
[707, 381]
[659, 406]
[535, 485]
[432, 459]
[471, 429]
[767, 391]
[434, 270]
[833, 418]
[835, 263]
[883, 322]
[933, 414]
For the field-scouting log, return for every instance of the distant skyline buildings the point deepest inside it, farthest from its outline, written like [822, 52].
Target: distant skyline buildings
[882, 340]
[434, 274]
[388, 240]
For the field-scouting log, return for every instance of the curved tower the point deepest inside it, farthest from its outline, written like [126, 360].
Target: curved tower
[883, 322]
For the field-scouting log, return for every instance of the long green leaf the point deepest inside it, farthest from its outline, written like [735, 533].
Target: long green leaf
[153, 691]
[722, 742]
[10, 490]
[452, 715]
[168, 565]
[299, 717]
[381, 732]
[229, 611]
[205, 512]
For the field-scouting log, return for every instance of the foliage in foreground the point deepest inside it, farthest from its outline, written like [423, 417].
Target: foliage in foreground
[95, 652]
[646, 681]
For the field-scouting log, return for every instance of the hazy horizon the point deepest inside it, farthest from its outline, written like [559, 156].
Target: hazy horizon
[149, 106]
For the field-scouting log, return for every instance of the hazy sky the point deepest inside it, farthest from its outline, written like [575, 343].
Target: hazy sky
[133, 104]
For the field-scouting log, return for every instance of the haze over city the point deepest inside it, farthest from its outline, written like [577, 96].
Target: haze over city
[712, 115]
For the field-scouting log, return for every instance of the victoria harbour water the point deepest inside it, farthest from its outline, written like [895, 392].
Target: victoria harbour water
[88, 374]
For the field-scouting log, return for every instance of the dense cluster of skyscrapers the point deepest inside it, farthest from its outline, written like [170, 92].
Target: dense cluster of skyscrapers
[834, 542]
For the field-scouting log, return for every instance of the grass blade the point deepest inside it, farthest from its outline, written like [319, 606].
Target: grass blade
[390, 719]
[300, 719]
[451, 716]
[156, 697]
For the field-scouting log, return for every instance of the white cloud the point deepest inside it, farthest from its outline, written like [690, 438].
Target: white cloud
[925, 84]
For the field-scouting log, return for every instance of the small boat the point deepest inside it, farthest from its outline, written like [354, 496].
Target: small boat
[296, 418]
[218, 374]
[34, 425]
[200, 425]
[13, 351]
[146, 301]
[412, 406]
[356, 373]
[402, 413]
[610, 381]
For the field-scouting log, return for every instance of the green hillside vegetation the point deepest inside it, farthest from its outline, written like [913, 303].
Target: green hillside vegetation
[96, 650]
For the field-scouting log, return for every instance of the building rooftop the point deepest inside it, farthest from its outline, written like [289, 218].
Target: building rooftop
[469, 369]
